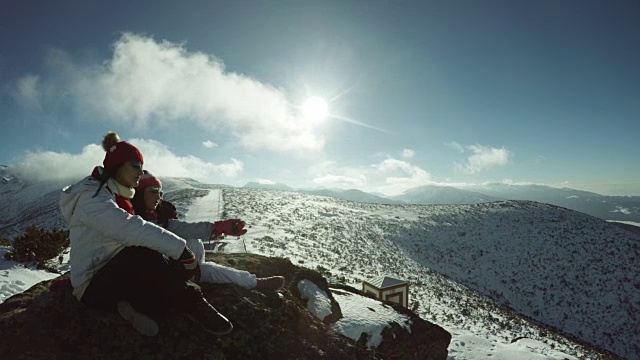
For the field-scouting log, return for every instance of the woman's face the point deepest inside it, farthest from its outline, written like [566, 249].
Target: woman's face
[129, 174]
[152, 197]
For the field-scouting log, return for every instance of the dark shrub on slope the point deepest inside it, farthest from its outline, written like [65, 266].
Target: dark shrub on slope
[39, 245]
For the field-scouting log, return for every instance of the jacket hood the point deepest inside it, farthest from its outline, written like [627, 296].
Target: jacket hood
[71, 194]
[89, 185]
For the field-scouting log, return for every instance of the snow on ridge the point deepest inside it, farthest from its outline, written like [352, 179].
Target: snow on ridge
[626, 222]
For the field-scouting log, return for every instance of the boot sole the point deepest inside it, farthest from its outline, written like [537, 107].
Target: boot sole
[141, 322]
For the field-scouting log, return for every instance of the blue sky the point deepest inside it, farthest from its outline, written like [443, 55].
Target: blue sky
[418, 92]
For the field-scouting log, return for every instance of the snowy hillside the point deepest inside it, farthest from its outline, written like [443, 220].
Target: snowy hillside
[623, 208]
[25, 203]
[562, 268]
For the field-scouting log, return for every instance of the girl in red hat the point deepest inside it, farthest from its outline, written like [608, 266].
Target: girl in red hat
[149, 204]
[121, 262]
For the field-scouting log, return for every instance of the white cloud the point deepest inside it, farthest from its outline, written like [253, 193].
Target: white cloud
[511, 182]
[454, 145]
[209, 144]
[159, 160]
[390, 176]
[408, 153]
[147, 80]
[266, 182]
[329, 174]
[27, 92]
[399, 176]
[393, 166]
[339, 181]
[483, 157]
[49, 165]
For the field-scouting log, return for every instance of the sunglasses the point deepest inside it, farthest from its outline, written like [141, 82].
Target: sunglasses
[136, 164]
[156, 190]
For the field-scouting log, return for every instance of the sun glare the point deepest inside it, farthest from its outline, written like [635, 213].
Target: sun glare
[315, 109]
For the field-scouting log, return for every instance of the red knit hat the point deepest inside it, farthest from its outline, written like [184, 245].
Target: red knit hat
[119, 152]
[148, 180]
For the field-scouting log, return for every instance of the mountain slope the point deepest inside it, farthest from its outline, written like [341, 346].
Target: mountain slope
[23, 204]
[431, 195]
[622, 208]
[351, 195]
[267, 186]
[566, 269]
[563, 268]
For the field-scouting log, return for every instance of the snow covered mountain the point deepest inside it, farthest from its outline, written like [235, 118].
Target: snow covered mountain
[431, 195]
[25, 203]
[471, 268]
[349, 195]
[622, 208]
[268, 186]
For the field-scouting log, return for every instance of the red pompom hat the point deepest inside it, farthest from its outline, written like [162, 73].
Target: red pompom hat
[120, 153]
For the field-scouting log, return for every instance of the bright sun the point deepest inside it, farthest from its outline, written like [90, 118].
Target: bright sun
[315, 109]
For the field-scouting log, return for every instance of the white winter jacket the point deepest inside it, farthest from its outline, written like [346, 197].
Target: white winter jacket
[99, 229]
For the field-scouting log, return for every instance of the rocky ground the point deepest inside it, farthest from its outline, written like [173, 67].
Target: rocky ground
[43, 323]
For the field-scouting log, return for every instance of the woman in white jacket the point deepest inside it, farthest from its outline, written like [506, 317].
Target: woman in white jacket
[149, 204]
[120, 261]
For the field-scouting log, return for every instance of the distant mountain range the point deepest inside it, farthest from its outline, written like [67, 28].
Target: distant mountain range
[432, 195]
[349, 195]
[619, 208]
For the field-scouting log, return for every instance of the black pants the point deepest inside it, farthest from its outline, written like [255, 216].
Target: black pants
[143, 277]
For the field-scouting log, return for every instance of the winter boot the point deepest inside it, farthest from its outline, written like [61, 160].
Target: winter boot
[198, 309]
[141, 322]
[270, 283]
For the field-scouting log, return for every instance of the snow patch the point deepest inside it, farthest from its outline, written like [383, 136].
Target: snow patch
[16, 278]
[621, 209]
[318, 301]
[362, 315]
